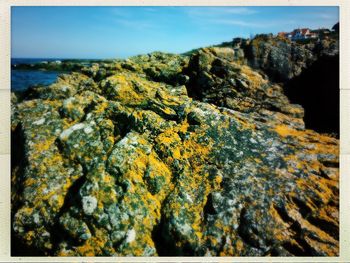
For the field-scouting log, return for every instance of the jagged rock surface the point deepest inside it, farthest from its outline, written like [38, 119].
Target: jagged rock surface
[306, 70]
[283, 59]
[127, 160]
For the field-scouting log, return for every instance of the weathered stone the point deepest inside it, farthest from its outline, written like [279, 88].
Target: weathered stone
[283, 59]
[131, 162]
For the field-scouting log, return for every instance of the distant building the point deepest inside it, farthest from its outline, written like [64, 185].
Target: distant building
[298, 34]
[282, 34]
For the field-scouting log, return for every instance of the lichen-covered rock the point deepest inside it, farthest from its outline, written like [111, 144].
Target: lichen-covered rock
[215, 78]
[280, 58]
[134, 163]
[159, 66]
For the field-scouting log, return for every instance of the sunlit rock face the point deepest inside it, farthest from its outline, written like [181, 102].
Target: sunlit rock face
[166, 155]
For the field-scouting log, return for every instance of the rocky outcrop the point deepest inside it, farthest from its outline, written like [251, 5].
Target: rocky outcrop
[308, 72]
[168, 155]
[282, 59]
[215, 78]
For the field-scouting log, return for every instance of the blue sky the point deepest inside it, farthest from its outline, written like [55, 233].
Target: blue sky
[119, 32]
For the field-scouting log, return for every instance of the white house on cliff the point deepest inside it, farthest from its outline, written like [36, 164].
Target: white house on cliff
[299, 34]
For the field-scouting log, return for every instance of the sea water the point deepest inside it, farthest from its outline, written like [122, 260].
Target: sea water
[23, 79]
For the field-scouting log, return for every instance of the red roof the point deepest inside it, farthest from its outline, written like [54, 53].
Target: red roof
[301, 31]
[304, 31]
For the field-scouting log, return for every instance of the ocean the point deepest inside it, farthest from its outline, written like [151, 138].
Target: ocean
[23, 79]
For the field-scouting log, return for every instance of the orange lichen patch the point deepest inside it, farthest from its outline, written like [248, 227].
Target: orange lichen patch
[95, 245]
[294, 110]
[29, 236]
[281, 233]
[273, 212]
[159, 169]
[87, 250]
[255, 79]
[66, 123]
[149, 182]
[30, 182]
[166, 98]
[213, 241]
[197, 150]
[227, 251]
[314, 144]
[55, 202]
[43, 145]
[168, 137]
[323, 147]
[217, 181]
[107, 196]
[123, 89]
[322, 189]
[224, 228]
[284, 131]
[65, 253]
[239, 245]
[257, 160]
[101, 107]
[196, 153]
[328, 214]
[42, 149]
[269, 91]
[321, 143]
[119, 78]
[26, 211]
[108, 179]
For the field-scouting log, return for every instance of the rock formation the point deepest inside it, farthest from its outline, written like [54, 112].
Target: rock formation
[305, 70]
[283, 59]
[173, 156]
